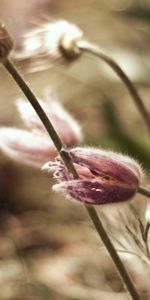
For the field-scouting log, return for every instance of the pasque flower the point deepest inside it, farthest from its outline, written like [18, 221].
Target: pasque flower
[104, 176]
[35, 147]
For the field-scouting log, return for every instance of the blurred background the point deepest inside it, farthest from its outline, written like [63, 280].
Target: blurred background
[48, 247]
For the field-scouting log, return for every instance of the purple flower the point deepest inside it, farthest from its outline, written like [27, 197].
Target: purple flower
[104, 176]
[34, 147]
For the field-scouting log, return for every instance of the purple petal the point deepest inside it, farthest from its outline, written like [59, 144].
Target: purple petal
[117, 166]
[26, 147]
[67, 128]
[95, 192]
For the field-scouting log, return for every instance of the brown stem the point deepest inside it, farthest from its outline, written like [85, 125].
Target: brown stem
[144, 191]
[95, 50]
[110, 248]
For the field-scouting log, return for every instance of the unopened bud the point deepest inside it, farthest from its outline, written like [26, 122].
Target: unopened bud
[65, 125]
[25, 147]
[103, 176]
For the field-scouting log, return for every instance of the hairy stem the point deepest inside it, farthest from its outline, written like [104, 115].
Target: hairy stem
[144, 191]
[95, 50]
[146, 239]
[110, 248]
[69, 165]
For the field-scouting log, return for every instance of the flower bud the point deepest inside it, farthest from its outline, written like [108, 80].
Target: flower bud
[104, 176]
[66, 126]
[25, 147]
[35, 147]
[6, 43]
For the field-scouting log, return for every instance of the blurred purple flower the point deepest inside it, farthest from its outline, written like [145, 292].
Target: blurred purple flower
[104, 176]
[35, 147]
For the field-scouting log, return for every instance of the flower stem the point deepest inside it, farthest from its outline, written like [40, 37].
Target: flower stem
[69, 165]
[95, 50]
[110, 248]
[144, 191]
[146, 239]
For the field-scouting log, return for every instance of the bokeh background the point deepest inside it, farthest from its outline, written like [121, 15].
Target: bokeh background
[48, 247]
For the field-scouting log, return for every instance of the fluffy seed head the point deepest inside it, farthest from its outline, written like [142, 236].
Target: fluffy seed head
[49, 42]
